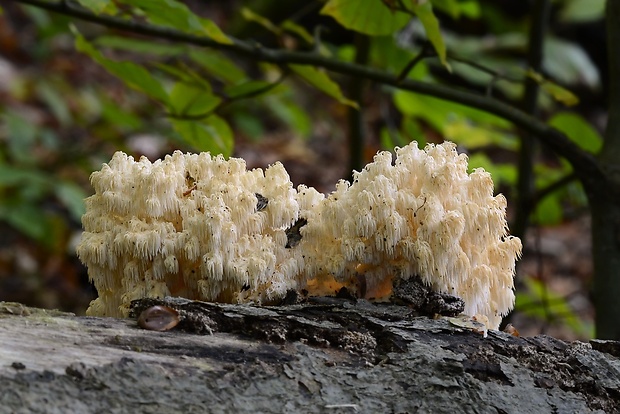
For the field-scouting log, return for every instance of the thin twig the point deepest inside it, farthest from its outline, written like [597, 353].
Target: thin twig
[485, 69]
[424, 53]
[554, 186]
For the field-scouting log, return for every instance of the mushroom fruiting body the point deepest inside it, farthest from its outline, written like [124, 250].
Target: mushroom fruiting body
[190, 225]
[421, 215]
[206, 228]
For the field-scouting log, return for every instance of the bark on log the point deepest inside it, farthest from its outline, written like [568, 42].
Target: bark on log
[333, 357]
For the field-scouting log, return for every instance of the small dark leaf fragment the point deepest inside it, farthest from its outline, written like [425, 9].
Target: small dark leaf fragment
[293, 236]
[261, 202]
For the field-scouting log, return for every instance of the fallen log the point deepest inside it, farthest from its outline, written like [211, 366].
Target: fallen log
[334, 355]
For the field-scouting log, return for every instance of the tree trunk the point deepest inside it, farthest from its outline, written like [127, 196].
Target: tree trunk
[605, 197]
[337, 357]
[606, 256]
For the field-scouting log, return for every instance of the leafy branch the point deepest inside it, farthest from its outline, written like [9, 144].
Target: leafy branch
[228, 100]
[582, 161]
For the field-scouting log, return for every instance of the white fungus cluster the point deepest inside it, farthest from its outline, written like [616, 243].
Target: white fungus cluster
[206, 228]
[421, 215]
[190, 225]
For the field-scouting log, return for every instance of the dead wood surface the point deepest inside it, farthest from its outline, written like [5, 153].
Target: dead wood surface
[331, 357]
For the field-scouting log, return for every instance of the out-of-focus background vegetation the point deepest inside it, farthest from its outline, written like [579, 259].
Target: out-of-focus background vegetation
[62, 115]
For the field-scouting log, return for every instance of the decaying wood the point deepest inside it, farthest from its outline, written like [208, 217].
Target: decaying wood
[337, 356]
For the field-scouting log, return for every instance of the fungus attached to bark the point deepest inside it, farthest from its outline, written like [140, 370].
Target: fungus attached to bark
[206, 228]
[421, 215]
[190, 225]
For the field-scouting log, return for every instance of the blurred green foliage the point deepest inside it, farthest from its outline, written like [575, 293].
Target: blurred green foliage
[539, 302]
[201, 98]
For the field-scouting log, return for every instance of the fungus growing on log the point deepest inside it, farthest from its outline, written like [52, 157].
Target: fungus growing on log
[206, 228]
[190, 225]
[421, 215]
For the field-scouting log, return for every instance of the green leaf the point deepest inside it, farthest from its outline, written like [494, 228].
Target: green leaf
[300, 31]
[567, 63]
[14, 176]
[456, 9]
[501, 173]
[140, 46]
[72, 196]
[502, 65]
[99, 6]
[371, 17]
[218, 65]
[171, 13]
[411, 131]
[118, 117]
[26, 218]
[250, 88]
[212, 134]
[175, 72]
[582, 11]
[22, 133]
[549, 211]
[539, 301]
[424, 10]
[472, 136]
[386, 53]
[578, 130]
[192, 100]
[391, 139]
[291, 113]
[559, 93]
[321, 81]
[250, 16]
[134, 75]
[470, 8]
[249, 124]
[56, 102]
[420, 107]
[450, 7]
[439, 112]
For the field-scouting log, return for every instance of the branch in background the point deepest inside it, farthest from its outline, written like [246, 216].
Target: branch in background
[583, 162]
[610, 153]
[489, 71]
[551, 188]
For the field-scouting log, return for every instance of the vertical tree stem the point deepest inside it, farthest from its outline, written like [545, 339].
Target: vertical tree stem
[604, 198]
[355, 116]
[525, 183]
[610, 155]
